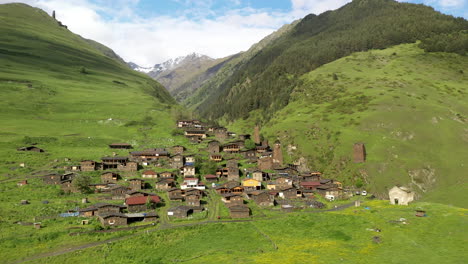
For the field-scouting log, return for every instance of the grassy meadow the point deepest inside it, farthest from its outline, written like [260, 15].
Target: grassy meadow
[332, 237]
[409, 107]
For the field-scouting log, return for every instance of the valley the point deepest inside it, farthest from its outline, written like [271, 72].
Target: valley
[339, 138]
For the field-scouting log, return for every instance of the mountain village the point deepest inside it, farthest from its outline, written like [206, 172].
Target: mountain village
[264, 179]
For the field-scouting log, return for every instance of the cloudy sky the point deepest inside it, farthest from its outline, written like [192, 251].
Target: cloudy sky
[152, 31]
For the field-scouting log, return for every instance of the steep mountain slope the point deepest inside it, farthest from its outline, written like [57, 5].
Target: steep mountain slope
[68, 96]
[211, 87]
[266, 80]
[408, 107]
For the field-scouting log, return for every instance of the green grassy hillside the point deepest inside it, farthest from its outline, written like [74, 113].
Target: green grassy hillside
[266, 80]
[68, 96]
[410, 108]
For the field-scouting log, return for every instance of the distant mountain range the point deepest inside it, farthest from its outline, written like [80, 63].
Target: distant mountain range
[173, 73]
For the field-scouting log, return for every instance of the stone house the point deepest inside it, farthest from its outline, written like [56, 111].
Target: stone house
[259, 175]
[181, 211]
[129, 166]
[232, 199]
[177, 150]
[262, 198]
[136, 184]
[290, 193]
[265, 163]
[177, 162]
[400, 195]
[165, 184]
[221, 133]
[175, 194]
[109, 177]
[192, 199]
[118, 192]
[114, 219]
[233, 174]
[88, 165]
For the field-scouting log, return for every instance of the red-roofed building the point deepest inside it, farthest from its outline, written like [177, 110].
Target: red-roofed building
[139, 203]
[311, 185]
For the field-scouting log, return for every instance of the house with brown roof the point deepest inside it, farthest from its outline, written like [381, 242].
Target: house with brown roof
[290, 193]
[149, 174]
[165, 184]
[181, 211]
[109, 177]
[142, 203]
[211, 178]
[239, 211]
[166, 174]
[311, 176]
[113, 219]
[175, 194]
[262, 198]
[232, 199]
[119, 192]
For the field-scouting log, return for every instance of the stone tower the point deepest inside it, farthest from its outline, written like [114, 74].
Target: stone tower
[53, 14]
[277, 154]
[359, 153]
[256, 135]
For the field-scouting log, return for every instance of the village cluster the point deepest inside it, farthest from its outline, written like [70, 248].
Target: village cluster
[266, 182]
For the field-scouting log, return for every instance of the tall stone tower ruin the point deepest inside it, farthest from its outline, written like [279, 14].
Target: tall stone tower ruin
[277, 154]
[359, 153]
[256, 135]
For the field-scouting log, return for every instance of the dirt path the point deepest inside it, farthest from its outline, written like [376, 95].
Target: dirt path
[164, 226]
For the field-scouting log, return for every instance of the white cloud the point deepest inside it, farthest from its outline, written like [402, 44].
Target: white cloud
[196, 28]
[304, 7]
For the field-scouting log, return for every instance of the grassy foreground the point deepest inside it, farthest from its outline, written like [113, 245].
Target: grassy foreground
[332, 237]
